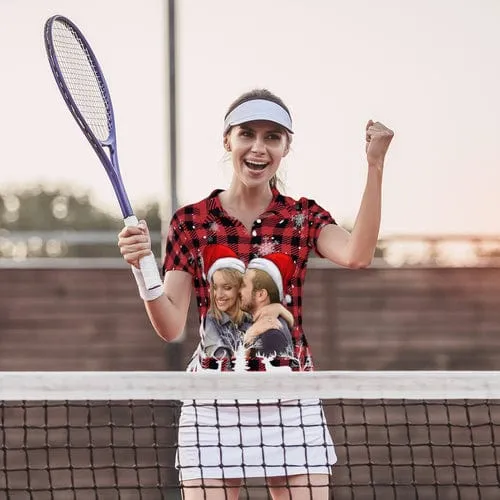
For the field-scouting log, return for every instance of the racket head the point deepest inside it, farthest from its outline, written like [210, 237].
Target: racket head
[83, 87]
[80, 80]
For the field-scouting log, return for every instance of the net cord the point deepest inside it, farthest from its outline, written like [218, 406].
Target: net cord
[152, 385]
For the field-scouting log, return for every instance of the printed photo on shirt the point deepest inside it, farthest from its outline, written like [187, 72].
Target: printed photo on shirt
[229, 338]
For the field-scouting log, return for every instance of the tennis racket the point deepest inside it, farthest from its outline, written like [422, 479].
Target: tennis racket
[83, 87]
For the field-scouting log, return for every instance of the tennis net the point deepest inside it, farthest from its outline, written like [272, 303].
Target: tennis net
[114, 435]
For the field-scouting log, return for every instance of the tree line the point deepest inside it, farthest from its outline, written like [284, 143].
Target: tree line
[42, 211]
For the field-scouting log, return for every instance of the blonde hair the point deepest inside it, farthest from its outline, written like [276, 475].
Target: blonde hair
[234, 278]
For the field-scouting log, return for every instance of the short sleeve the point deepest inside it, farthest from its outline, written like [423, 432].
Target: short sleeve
[318, 218]
[178, 251]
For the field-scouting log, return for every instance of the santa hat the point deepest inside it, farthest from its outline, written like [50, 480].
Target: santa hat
[279, 266]
[217, 257]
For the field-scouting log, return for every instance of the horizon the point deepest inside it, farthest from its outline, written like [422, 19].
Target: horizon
[424, 70]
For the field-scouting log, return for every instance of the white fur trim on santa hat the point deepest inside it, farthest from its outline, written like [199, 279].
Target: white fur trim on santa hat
[270, 268]
[224, 263]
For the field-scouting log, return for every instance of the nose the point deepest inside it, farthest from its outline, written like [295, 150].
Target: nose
[258, 145]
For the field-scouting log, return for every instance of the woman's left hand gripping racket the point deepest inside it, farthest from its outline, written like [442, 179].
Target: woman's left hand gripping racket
[82, 85]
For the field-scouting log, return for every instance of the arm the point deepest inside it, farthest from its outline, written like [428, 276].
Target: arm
[259, 327]
[356, 250]
[273, 341]
[168, 313]
[167, 308]
[274, 311]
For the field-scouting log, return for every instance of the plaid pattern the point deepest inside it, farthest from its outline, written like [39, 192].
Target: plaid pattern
[288, 226]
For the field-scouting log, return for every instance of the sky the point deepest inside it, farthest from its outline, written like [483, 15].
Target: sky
[429, 70]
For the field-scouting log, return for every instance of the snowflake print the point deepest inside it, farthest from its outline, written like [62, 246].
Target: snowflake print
[298, 220]
[267, 247]
[214, 227]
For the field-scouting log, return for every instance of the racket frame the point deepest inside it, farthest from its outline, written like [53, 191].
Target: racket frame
[148, 264]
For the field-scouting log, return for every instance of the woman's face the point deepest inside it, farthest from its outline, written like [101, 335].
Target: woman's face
[225, 293]
[256, 150]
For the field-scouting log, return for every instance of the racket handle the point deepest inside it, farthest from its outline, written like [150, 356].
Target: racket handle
[149, 268]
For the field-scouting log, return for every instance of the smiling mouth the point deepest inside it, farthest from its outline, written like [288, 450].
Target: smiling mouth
[252, 165]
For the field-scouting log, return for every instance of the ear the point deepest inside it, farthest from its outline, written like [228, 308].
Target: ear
[227, 144]
[287, 145]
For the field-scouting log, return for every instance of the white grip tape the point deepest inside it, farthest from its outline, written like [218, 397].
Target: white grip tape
[149, 268]
[131, 221]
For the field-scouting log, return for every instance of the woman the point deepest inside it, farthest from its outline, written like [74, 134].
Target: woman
[225, 324]
[254, 219]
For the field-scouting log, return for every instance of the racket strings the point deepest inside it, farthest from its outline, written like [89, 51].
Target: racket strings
[83, 80]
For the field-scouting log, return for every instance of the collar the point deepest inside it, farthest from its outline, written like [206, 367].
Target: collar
[279, 204]
[226, 319]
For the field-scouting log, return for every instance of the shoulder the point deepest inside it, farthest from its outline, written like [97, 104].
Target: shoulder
[275, 340]
[288, 201]
[198, 209]
[307, 209]
[296, 204]
[210, 322]
[284, 327]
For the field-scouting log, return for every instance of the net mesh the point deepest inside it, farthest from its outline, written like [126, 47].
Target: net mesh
[82, 78]
[110, 447]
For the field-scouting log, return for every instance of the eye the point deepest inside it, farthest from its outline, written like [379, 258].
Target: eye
[274, 137]
[245, 133]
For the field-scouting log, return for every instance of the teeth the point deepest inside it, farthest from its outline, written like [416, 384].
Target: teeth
[256, 164]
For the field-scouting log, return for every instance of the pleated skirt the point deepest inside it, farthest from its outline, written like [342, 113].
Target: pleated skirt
[227, 441]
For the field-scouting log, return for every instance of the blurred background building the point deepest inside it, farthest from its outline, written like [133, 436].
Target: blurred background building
[429, 300]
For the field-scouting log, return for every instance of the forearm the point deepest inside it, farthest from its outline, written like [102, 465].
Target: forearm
[166, 317]
[277, 310]
[167, 306]
[357, 248]
[364, 236]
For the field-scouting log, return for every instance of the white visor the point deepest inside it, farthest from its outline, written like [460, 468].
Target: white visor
[258, 109]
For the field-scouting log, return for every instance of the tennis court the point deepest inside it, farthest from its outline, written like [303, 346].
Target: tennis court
[441, 441]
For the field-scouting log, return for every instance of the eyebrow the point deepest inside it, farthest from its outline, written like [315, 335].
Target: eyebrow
[270, 131]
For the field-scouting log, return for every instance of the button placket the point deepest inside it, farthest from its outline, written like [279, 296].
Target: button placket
[257, 224]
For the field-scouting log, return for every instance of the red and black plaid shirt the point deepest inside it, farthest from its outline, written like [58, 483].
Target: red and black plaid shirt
[288, 226]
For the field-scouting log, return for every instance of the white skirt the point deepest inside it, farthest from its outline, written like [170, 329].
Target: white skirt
[229, 441]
